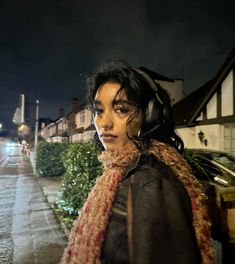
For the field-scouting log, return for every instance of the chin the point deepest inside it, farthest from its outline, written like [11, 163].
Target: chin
[108, 147]
[111, 147]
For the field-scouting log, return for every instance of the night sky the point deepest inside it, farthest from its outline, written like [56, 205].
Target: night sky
[47, 48]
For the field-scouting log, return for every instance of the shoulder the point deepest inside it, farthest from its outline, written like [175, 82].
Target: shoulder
[153, 176]
[149, 168]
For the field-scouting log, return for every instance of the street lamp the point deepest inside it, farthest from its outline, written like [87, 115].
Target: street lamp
[36, 135]
[0, 125]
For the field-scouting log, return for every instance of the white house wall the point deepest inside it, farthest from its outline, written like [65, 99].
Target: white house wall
[229, 137]
[87, 118]
[188, 136]
[211, 107]
[227, 96]
[77, 119]
[213, 134]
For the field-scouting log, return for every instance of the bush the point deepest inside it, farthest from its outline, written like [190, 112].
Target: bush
[82, 168]
[48, 159]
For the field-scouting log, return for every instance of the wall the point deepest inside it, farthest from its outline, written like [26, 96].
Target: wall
[188, 136]
[213, 134]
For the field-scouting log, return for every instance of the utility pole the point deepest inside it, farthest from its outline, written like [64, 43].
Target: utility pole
[36, 135]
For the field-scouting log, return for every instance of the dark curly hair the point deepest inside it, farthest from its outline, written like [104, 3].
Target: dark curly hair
[139, 92]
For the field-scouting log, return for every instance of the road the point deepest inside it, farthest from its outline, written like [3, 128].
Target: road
[29, 233]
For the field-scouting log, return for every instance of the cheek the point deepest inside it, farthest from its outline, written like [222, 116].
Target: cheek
[134, 127]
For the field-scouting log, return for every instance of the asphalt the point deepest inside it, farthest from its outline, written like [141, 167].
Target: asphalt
[29, 231]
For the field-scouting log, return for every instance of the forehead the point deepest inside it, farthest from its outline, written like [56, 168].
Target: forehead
[110, 90]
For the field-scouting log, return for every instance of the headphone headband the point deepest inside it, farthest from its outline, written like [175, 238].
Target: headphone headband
[151, 82]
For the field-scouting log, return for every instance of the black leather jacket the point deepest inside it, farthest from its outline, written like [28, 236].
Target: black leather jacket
[162, 218]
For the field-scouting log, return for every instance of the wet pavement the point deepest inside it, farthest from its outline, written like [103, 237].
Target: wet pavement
[29, 232]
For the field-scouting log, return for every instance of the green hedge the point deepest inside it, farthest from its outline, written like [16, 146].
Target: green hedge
[82, 168]
[48, 159]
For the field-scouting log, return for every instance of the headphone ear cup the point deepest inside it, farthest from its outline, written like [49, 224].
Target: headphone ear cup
[153, 114]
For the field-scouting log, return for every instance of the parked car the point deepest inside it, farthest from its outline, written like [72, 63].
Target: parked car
[213, 166]
[216, 172]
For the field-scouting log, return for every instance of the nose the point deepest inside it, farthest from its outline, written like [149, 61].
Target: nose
[106, 122]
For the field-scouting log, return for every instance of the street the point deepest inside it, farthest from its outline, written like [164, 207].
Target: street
[29, 232]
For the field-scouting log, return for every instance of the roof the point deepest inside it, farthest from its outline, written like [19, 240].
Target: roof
[185, 108]
[156, 76]
[78, 108]
[188, 109]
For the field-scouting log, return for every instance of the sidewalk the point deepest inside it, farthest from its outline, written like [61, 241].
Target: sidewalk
[29, 231]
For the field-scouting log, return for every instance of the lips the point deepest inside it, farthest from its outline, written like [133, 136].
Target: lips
[107, 137]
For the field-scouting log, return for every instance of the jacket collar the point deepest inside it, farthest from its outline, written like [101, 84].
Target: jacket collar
[144, 158]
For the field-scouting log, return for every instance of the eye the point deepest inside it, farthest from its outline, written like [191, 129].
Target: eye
[98, 111]
[122, 110]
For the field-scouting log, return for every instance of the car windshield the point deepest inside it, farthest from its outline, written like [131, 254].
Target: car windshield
[213, 166]
[227, 161]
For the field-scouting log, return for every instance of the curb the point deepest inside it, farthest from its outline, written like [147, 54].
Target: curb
[53, 208]
[59, 219]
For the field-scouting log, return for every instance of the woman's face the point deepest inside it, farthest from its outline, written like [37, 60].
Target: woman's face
[112, 111]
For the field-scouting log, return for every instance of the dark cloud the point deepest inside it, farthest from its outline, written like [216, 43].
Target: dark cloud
[48, 47]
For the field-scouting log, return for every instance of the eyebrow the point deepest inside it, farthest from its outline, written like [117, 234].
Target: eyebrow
[120, 101]
[97, 102]
[114, 102]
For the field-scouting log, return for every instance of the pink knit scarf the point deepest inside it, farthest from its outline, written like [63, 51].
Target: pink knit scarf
[87, 234]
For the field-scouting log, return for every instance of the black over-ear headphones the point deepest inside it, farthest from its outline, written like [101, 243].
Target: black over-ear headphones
[156, 112]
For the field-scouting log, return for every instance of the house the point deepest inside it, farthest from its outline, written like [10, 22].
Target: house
[84, 124]
[48, 132]
[74, 126]
[57, 130]
[43, 121]
[206, 117]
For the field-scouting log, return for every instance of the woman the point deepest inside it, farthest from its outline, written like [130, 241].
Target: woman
[146, 207]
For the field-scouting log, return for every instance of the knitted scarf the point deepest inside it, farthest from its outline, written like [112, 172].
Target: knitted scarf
[87, 234]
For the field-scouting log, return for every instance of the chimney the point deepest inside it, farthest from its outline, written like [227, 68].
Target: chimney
[74, 103]
[61, 112]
